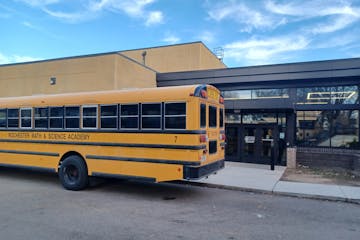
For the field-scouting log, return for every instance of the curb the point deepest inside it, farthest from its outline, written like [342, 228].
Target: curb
[287, 194]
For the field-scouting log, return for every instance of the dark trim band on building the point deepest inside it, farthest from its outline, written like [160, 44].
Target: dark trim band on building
[106, 144]
[30, 153]
[146, 160]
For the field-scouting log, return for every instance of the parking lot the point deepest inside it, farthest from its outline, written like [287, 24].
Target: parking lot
[35, 206]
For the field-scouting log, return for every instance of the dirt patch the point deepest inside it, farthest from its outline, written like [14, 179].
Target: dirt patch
[324, 176]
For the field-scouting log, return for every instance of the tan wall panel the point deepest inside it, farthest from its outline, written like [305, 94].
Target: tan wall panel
[72, 75]
[129, 74]
[176, 58]
[169, 59]
[208, 60]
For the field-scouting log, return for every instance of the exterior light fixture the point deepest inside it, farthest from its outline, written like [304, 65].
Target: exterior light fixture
[53, 81]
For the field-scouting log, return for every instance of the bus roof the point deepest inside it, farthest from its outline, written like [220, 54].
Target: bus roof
[103, 97]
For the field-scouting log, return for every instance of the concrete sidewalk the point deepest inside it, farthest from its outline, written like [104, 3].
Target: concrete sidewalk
[259, 178]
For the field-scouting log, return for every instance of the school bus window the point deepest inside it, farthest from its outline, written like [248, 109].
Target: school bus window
[56, 117]
[108, 116]
[151, 116]
[72, 117]
[41, 117]
[221, 117]
[89, 116]
[175, 115]
[202, 115]
[2, 118]
[25, 117]
[212, 116]
[129, 116]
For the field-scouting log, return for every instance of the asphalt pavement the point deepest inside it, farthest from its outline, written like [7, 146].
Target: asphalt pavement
[35, 206]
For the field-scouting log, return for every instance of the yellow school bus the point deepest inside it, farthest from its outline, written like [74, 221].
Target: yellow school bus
[156, 134]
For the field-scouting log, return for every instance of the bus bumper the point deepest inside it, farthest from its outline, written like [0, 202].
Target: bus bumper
[202, 171]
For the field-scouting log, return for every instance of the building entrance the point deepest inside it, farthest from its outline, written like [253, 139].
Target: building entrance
[252, 143]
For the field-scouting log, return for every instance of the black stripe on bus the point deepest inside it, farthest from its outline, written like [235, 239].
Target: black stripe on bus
[32, 168]
[106, 131]
[30, 153]
[121, 176]
[106, 144]
[147, 160]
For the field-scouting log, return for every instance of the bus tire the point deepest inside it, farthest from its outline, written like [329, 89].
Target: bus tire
[73, 173]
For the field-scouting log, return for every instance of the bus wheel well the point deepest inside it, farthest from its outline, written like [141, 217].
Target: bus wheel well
[68, 154]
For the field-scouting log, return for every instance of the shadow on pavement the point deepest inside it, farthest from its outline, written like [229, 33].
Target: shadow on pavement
[165, 191]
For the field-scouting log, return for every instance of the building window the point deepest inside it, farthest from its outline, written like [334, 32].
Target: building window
[269, 93]
[129, 116]
[231, 117]
[256, 94]
[175, 115]
[2, 118]
[72, 117]
[202, 115]
[89, 117]
[333, 128]
[109, 116]
[258, 118]
[41, 117]
[212, 116]
[328, 95]
[151, 116]
[56, 117]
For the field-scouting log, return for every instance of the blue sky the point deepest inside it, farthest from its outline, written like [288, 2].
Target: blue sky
[253, 32]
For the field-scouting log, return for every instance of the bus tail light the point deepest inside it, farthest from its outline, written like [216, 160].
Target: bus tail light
[203, 94]
[222, 137]
[221, 100]
[203, 138]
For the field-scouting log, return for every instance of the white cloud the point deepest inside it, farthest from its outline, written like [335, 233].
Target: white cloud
[16, 59]
[249, 18]
[333, 15]
[261, 51]
[171, 39]
[89, 9]
[72, 17]
[155, 17]
[336, 24]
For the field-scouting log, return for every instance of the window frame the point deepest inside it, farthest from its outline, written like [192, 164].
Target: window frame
[181, 115]
[115, 116]
[161, 115]
[137, 116]
[5, 110]
[82, 116]
[216, 116]
[65, 117]
[221, 117]
[35, 118]
[21, 118]
[203, 104]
